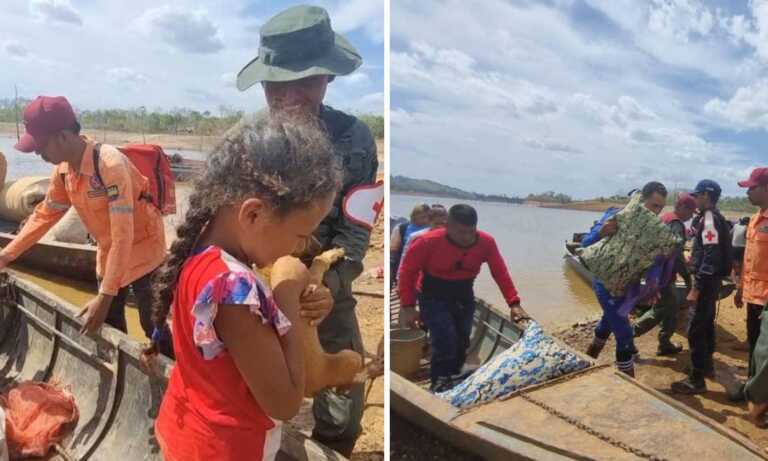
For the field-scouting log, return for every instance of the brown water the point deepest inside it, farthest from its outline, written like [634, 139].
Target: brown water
[78, 293]
[531, 239]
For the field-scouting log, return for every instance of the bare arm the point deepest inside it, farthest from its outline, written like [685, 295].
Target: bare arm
[276, 379]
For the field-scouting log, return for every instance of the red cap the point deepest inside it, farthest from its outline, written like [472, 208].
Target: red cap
[687, 200]
[44, 117]
[759, 177]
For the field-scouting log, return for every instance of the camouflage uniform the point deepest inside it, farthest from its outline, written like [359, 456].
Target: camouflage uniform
[338, 415]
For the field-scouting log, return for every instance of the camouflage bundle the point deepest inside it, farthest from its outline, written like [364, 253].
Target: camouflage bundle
[622, 259]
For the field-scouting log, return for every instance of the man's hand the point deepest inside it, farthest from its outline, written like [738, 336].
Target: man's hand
[609, 228]
[757, 413]
[738, 299]
[409, 317]
[517, 313]
[94, 313]
[693, 297]
[5, 261]
[316, 303]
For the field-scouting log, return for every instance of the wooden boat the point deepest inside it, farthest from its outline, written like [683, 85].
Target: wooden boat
[74, 260]
[117, 399]
[184, 169]
[597, 413]
[681, 291]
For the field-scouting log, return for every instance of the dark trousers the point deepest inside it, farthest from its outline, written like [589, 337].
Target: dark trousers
[701, 327]
[338, 415]
[665, 313]
[753, 330]
[449, 324]
[613, 322]
[142, 291]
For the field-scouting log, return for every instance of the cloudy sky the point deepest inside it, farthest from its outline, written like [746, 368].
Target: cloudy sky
[586, 97]
[165, 54]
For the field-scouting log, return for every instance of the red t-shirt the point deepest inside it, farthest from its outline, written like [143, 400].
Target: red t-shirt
[434, 255]
[208, 412]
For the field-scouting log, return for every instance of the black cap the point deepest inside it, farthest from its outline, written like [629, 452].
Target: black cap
[707, 185]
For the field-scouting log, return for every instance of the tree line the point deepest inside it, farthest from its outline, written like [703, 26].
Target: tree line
[174, 121]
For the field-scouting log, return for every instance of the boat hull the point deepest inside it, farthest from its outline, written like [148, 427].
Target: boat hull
[116, 397]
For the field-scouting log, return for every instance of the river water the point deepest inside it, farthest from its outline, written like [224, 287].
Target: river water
[531, 241]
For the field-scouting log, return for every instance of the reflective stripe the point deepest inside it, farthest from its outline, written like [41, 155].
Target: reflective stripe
[121, 209]
[57, 205]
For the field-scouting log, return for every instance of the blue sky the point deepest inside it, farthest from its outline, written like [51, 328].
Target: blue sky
[586, 97]
[165, 54]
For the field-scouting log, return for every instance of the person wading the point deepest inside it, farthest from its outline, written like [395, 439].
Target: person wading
[654, 196]
[753, 286]
[665, 311]
[127, 226]
[442, 266]
[711, 261]
[299, 55]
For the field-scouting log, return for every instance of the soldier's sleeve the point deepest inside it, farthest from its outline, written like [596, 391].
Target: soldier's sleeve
[710, 256]
[360, 169]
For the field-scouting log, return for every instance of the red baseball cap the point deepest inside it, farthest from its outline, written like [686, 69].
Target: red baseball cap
[759, 177]
[686, 199]
[44, 117]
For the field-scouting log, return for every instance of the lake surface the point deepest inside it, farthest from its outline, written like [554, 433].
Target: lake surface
[531, 240]
[20, 164]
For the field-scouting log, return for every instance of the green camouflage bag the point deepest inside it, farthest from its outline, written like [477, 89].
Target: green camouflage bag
[623, 258]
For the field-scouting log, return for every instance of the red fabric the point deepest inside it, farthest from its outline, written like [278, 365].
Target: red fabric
[435, 255]
[208, 412]
[38, 416]
[152, 162]
[669, 217]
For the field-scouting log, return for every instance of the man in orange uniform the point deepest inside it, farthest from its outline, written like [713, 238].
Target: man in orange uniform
[753, 288]
[110, 196]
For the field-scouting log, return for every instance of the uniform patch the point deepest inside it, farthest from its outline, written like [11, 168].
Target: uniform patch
[763, 229]
[709, 233]
[113, 193]
[97, 193]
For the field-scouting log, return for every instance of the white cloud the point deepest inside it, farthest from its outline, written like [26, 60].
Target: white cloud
[185, 30]
[126, 75]
[611, 108]
[680, 18]
[57, 11]
[229, 79]
[747, 108]
[350, 15]
[15, 49]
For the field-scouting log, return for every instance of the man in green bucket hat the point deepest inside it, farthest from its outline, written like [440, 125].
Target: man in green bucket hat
[299, 54]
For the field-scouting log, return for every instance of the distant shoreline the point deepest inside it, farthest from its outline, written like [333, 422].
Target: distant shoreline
[594, 206]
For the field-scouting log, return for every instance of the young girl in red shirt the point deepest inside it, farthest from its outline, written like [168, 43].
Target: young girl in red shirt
[239, 364]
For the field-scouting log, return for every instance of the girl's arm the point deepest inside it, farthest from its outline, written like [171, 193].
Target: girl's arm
[271, 365]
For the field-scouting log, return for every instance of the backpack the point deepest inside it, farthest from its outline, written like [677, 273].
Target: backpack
[154, 164]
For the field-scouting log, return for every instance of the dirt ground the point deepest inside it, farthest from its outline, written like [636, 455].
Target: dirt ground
[659, 372]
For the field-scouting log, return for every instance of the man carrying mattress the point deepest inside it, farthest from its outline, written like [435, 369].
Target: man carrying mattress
[710, 261]
[653, 196]
[665, 311]
[442, 266]
[109, 194]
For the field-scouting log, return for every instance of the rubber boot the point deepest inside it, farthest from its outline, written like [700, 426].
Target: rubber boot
[628, 367]
[693, 384]
[596, 347]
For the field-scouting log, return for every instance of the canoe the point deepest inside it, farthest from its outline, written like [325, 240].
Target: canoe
[76, 261]
[681, 291]
[596, 413]
[117, 399]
